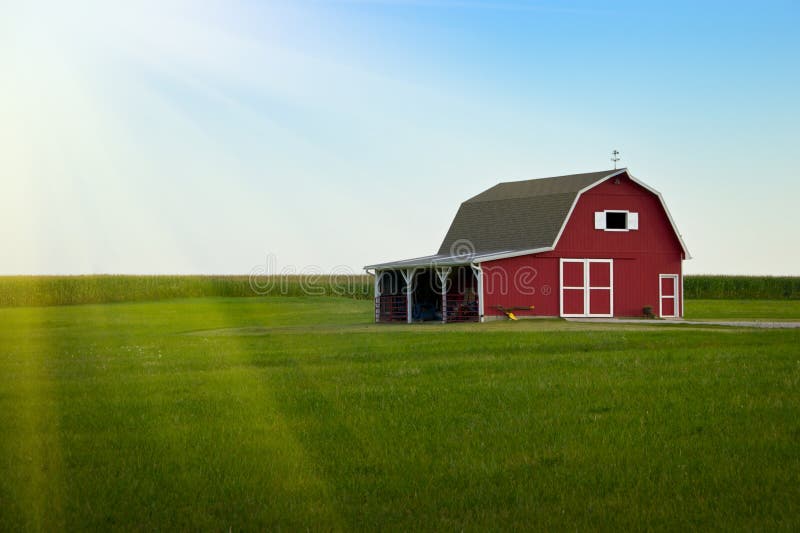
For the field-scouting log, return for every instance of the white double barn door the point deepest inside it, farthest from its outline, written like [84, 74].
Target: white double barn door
[587, 287]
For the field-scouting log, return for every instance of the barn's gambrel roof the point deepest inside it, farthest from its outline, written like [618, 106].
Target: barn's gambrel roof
[516, 218]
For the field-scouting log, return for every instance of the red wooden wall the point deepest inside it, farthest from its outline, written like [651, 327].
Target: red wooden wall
[639, 255]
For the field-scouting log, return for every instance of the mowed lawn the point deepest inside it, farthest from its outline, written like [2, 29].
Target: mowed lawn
[295, 413]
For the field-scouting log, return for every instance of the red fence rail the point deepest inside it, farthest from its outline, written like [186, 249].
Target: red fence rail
[461, 310]
[391, 308]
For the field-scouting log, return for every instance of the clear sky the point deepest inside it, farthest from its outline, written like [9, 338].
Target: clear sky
[199, 137]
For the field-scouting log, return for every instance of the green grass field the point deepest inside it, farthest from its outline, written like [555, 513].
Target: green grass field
[290, 413]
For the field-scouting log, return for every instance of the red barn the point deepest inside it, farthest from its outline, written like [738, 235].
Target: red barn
[601, 244]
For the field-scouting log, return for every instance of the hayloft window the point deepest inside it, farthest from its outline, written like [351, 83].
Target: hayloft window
[615, 220]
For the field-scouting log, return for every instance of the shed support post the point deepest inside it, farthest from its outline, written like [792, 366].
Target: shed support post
[443, 274]
[378, 275]
[476, 269]
[408, 275]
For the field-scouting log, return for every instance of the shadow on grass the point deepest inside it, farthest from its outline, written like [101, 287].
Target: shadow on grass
[320, 427]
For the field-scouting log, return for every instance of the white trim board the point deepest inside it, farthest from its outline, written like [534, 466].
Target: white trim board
[669, 215]
[578, 197]
[645, 186]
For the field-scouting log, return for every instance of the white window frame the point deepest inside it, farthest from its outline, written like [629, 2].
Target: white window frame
[674, 296]
[631, 220]
[587, 288]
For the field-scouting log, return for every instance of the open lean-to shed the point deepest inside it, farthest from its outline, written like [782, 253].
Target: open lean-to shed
[600, 244]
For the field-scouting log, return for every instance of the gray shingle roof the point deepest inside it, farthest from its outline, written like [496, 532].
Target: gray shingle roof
[516, 215]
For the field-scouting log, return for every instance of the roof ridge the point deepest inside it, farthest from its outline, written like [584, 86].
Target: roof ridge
[476, 200]
[610, 171]
[547, 186]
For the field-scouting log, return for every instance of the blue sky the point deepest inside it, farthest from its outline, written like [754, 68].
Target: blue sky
[199, 137]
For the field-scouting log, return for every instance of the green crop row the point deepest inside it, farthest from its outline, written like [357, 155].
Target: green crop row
[16, 291]
[742, 287]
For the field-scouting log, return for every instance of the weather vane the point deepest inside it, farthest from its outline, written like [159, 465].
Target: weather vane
[615, 158]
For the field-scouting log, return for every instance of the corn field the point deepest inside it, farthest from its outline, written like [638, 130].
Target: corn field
[16, 291]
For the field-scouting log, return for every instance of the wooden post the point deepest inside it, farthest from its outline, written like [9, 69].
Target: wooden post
[408, 275]
[378, 275]
[443, 273]
[476, 269]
